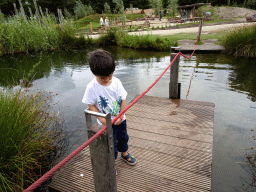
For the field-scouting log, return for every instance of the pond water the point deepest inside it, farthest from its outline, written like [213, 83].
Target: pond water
[228, 82]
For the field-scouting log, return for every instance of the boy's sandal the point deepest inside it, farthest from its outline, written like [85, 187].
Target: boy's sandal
[129, 159]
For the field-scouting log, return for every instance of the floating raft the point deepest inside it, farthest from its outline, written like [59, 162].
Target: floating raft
[172, 141]
[209, 46]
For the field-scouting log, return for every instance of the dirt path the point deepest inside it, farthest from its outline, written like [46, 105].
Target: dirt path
[205, 30]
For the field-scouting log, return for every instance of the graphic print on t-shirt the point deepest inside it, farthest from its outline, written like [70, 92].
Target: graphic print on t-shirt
[103, 103]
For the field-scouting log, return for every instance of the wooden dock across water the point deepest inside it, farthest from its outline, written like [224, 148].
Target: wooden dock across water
[172, 141]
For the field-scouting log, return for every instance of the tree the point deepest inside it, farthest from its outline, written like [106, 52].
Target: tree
[156, 5]
[107, 8]
[120, 9]
[172, 7]
[82, 10]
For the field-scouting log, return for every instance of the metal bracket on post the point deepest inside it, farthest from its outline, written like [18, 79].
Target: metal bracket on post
[173, 49]
[102, 154]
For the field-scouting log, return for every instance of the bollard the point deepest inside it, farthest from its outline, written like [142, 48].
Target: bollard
[174, 87]
[200, 28]
[91, 28]
[102, 154]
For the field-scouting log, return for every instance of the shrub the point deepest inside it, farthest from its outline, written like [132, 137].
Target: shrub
[82, 10]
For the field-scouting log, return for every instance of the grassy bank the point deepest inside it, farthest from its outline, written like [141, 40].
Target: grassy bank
[27, 144]
[241, 42]
[123, 39]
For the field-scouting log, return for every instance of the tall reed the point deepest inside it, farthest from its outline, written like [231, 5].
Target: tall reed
[26, 141]
[24, 35]
[241, 42]
[19, 34]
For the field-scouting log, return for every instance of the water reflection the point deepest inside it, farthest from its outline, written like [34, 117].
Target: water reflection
[243, 71]
[13, 68]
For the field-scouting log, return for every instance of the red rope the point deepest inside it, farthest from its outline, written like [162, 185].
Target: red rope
[79, 149]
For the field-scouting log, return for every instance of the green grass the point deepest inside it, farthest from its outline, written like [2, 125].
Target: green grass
[27, 145]
[241, 41]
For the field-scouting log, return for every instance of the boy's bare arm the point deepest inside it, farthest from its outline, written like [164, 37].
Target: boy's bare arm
[123, 105]
[101, 119]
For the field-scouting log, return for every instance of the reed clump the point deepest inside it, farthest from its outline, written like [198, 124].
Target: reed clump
[29, 34]
[27, 142]
[241, 42]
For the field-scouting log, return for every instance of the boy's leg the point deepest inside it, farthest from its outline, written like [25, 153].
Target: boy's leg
[121, 137]
[122, 143]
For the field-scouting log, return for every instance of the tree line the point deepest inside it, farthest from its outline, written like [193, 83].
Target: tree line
[7, 7]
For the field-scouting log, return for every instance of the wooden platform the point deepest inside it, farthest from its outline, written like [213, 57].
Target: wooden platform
[172, 140]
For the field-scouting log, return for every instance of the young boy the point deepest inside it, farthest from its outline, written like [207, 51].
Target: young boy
[105, 94]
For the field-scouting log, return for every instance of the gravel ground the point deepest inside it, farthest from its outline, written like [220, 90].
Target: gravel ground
[228, 13]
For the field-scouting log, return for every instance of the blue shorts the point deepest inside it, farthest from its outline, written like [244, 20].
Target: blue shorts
[121, 138]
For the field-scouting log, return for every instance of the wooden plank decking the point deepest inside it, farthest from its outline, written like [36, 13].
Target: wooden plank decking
[172, 140]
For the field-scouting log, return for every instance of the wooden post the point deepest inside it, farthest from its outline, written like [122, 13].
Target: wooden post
[91, 28]
[174, 77]
[200, 28]
[102, 154]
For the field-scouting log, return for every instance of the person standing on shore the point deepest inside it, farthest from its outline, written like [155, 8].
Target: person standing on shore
[160, 13]
[101, 21]
[106, 22]
[184, 13]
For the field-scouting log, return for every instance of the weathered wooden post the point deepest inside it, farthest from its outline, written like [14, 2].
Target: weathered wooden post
[174, 86]
[200, 28]
[102, 154]
[91, 28]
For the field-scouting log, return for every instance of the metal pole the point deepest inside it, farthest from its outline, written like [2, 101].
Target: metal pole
[102, 154]
[174, 77]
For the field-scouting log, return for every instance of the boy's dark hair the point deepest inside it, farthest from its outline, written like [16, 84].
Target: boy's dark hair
[101, 62]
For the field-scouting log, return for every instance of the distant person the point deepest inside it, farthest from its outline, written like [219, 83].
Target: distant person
[184, 13]
[153, 16]
[101, 21]
[160, 13]
[106, 94]
[106, 22]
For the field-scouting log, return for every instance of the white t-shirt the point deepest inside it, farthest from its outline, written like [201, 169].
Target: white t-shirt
[106, 22]
[101, 21]
[105, 98]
